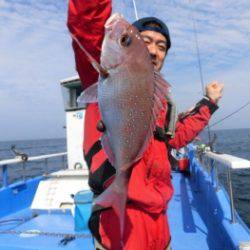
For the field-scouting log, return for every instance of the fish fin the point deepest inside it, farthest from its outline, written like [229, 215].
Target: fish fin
[89, 95]
[103, 72]
[159, 80]
[162, 87]
[161, 91]
[157, 105]
[115, 196]
[107, 148]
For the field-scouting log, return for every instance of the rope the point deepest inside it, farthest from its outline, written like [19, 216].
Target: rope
[136, 12]
[51, 234]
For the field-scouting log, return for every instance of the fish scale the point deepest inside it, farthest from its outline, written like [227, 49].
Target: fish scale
[130, 96]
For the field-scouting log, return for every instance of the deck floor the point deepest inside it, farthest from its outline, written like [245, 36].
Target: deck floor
[188, 228]
[49, 223]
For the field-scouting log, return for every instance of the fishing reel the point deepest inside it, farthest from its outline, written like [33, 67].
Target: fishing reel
[23, 156]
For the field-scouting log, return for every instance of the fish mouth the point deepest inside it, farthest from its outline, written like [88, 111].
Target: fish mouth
[113, 66]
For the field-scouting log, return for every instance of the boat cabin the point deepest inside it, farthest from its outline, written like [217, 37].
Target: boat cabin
[71, 90]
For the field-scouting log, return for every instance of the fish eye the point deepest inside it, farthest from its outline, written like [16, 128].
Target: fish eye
[125, 40]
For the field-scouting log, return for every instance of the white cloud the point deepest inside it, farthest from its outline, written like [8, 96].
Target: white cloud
[222, 26]
[36, 52]
[223, 30]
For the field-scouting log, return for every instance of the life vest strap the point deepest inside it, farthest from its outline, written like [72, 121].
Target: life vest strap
[93, 150]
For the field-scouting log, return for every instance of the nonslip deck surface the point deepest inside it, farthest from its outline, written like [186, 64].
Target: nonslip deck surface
[189, 229]
[50, 225]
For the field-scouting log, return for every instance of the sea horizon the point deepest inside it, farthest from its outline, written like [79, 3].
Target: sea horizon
[55, 138]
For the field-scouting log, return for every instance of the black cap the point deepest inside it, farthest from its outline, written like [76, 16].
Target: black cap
[143, 24]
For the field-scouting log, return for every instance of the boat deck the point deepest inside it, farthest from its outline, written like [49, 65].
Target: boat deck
[190, 229]
[54, 223]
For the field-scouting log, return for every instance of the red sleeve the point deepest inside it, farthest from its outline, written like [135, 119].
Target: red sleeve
[86, 21]
[188, 128]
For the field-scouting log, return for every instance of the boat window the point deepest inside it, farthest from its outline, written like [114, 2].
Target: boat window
[70, 95]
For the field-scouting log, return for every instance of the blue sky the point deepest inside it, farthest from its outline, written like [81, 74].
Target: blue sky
[35, 53]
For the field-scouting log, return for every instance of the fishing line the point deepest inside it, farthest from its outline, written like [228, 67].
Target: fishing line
[199, 65]
[135, 9]
[236, 111]
[198, 56]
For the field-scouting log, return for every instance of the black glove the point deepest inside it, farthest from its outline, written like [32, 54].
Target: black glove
[160, 134]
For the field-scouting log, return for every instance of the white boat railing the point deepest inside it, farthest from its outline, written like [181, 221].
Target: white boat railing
[5, 164]
[211, 159]
[229, 161]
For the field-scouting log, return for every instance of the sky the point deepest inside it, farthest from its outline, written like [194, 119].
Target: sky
[36, 53]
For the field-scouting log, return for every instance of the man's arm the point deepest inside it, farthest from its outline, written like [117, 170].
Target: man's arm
[191, 125]
[86, 21]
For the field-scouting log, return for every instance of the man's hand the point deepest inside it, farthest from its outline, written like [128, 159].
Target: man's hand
[214, 91]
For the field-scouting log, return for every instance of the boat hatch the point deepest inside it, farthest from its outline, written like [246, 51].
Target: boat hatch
[57, 191]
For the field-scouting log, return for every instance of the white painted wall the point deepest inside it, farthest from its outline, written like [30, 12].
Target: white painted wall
[75, 128]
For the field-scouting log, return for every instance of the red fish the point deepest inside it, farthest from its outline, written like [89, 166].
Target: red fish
[130, 94]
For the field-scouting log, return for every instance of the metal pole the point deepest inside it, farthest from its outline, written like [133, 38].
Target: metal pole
[5, 175]
[23, 172]
[212, 171]
[214, 175]
[217, 179]
[46, 166]
[231, 195]
[63, 165]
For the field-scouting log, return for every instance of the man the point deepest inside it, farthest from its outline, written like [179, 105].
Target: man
[149, 188]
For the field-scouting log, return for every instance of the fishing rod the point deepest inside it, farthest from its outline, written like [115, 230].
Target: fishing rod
[200, 66]
[236, 111]
[136, 12]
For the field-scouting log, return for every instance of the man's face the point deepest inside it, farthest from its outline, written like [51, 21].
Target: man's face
[157, 46]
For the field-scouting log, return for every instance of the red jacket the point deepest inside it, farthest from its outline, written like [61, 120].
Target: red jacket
[150, 187]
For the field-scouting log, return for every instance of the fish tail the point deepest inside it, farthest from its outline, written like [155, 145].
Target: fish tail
[115, 196]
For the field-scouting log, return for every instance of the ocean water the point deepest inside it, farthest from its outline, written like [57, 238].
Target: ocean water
[33, 148]
[235, 142]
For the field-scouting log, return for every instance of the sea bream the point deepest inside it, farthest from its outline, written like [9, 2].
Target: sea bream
[130, 95]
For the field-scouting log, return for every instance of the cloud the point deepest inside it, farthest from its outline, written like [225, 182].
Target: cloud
[187, 90]
[219, 26]
[223, 39]
[35, 53]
